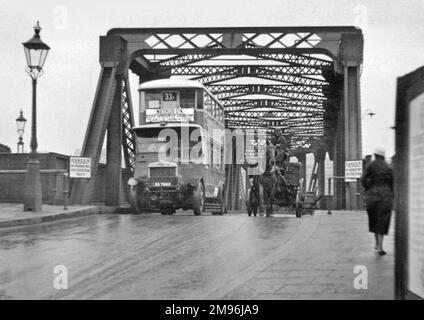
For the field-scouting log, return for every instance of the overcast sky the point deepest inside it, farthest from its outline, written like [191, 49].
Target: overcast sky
[393, 32]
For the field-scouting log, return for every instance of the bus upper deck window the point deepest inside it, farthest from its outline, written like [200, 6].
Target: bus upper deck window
[187, 98]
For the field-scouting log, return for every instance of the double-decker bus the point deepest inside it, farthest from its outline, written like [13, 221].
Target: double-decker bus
[179, 149]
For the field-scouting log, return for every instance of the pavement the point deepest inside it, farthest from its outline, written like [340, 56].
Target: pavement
[197, 257]
[322, 260]
[12, 214]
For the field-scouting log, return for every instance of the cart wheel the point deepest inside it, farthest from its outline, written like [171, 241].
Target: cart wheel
[198, 200]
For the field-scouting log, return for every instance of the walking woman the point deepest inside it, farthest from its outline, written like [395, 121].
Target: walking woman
[377, 180]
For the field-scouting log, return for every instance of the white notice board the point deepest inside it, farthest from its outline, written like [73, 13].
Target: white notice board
[416, 197]
[79, 167]
[353, 169]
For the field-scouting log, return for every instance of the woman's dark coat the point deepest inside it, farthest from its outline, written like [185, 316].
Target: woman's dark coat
[377, 180]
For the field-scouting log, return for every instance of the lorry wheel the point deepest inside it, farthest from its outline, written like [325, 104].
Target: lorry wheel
[198, 200]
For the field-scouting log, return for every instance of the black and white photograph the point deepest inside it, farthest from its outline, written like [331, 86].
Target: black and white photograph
[212, 155]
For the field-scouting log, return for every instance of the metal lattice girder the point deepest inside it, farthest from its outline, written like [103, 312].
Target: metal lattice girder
[128, 123]
[289, 117]
[246, 103]
[244, 70]
[237, 88]
[267, 39]
[289, 109]
[278, 114]
[270, 90]
[180, 61]
[289, 78]
[209, 79]
[266, 104]
[296, 60]
[284, 117]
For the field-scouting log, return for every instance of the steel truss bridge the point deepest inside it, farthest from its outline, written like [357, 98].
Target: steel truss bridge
[303, 79]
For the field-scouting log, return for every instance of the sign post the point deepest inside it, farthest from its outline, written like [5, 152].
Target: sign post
[353, 170]
[409, 189]
[79, 167]
[353, 173]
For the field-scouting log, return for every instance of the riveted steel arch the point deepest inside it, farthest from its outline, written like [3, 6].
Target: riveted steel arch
[304, 78]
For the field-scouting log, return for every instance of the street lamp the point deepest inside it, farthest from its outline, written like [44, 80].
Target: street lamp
[20, 125]
[35, 53]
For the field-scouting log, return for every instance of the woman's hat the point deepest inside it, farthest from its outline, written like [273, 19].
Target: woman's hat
[380, 151]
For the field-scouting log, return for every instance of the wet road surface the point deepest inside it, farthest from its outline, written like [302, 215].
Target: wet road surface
[141, 256]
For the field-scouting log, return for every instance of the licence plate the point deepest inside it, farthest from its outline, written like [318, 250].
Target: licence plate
[162, 184]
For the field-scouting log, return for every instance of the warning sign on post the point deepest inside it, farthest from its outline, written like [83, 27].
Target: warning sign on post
[79, 167]
[353, 170]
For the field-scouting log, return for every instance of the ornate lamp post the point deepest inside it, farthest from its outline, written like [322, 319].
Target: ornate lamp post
[20, 125]
[35, 53]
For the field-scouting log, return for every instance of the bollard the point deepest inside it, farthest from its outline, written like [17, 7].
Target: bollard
[65, 191]
[358, 201]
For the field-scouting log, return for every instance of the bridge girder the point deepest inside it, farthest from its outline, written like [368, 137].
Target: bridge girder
[305, 75]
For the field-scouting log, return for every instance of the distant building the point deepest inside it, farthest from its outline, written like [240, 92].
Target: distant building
[4, 148]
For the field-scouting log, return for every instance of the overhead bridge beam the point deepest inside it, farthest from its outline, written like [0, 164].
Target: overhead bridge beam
[314, 72]
[246, 70]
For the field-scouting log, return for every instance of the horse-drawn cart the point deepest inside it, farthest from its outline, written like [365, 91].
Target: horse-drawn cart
[287, 193]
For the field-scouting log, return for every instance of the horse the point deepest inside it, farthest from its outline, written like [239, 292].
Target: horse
[268, 181]
[281, 163]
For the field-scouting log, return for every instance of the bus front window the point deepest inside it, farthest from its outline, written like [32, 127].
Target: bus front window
[175, 144]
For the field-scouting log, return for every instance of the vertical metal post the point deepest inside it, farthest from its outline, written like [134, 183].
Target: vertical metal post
[34, 143]
[65, 190]
[330, 197]
[358, 194]
[32, 188]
